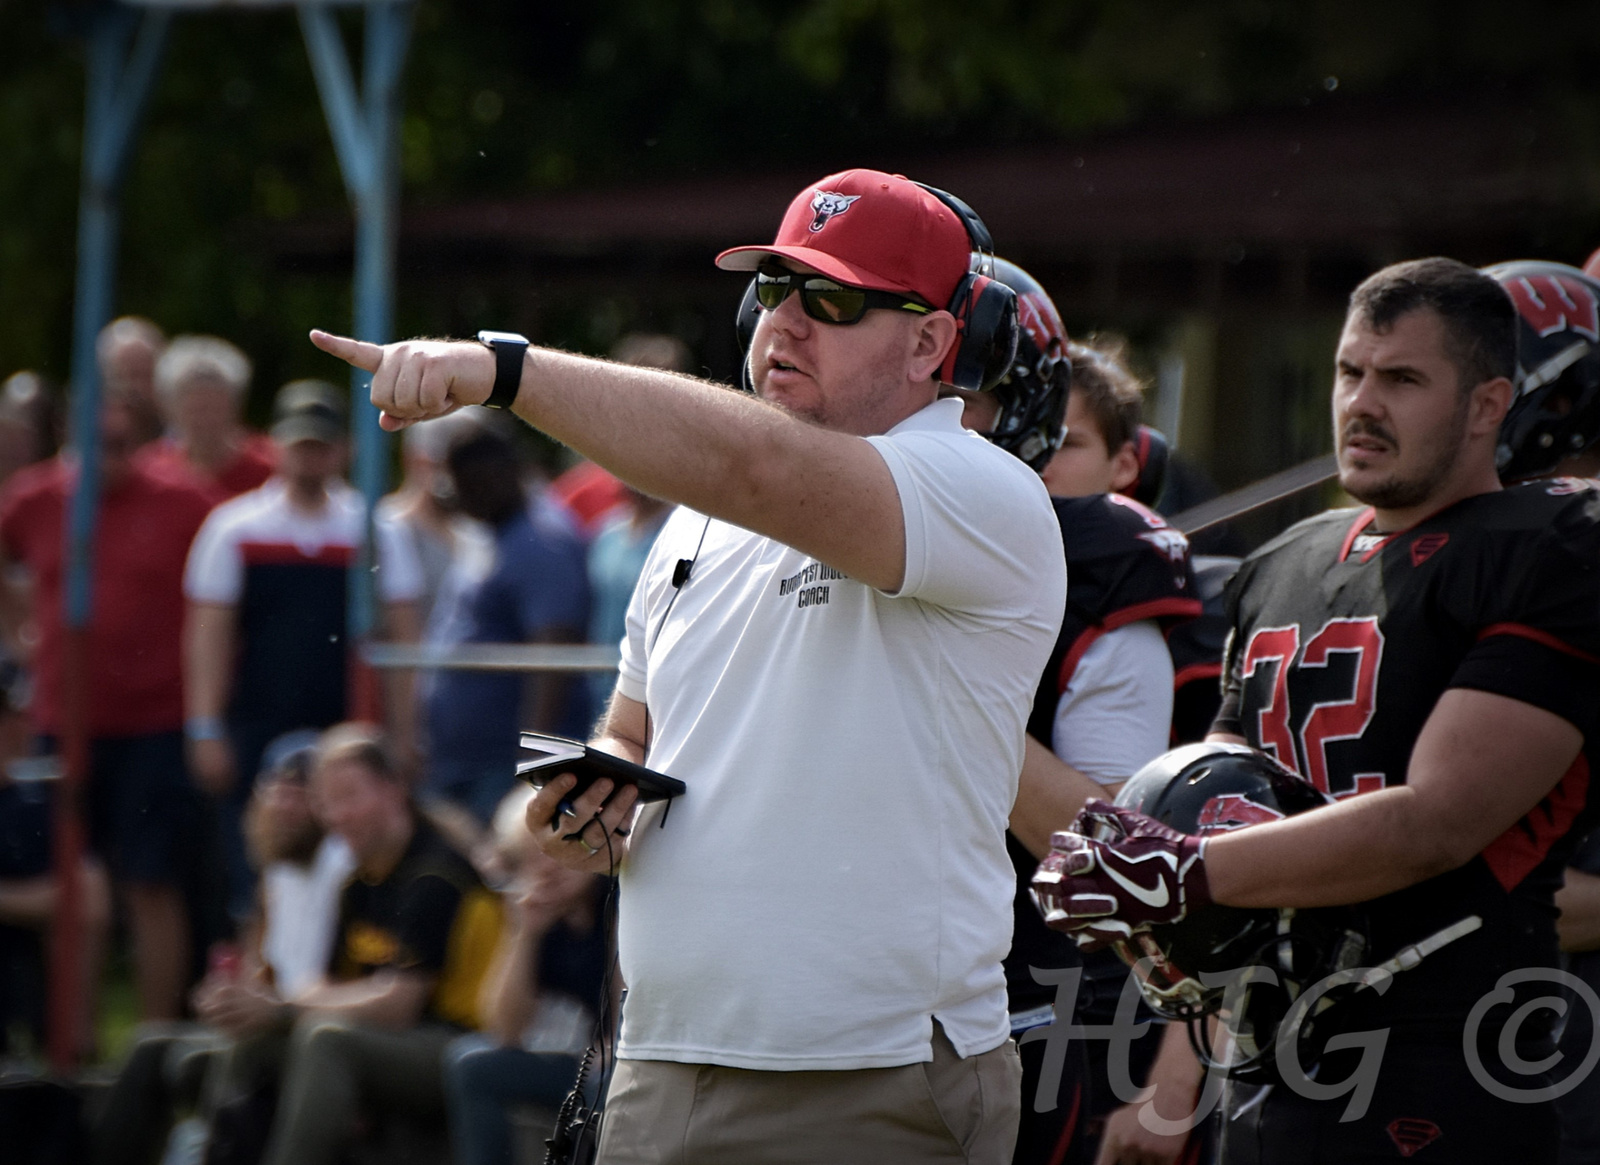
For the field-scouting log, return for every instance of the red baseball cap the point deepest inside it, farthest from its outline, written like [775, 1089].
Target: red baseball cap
[870, 229]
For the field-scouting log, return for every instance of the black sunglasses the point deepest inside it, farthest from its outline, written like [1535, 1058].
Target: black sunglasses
[827, 301]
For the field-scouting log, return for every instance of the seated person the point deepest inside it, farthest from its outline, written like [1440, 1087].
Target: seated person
[538, 997]
[28, 887]
[417, 928]
[303, 870]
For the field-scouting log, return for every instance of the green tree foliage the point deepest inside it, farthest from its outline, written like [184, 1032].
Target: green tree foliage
[515, 96]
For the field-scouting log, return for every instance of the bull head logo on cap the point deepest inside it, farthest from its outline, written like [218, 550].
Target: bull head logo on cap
[827, 204]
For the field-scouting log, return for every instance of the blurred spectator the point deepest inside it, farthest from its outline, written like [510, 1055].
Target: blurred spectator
[201, 383]
[303, 870]
[590, 494]
[417, 929]
[127, 350]
[422, 506]
[27, 887]
[144, 816]
[30, 424]
[265, 645]
[616, 556]
[538, 995]
[530, 588]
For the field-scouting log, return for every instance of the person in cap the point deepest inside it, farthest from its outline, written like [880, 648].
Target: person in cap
[265, 643]
[834, 643]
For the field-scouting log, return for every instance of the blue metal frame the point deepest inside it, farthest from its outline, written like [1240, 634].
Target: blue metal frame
[365, 129]
[124, 53]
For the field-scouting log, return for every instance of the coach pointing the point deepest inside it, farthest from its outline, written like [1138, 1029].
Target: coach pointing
[812, 939]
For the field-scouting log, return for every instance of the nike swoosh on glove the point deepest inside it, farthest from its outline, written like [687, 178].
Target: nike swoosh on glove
[1116, 871]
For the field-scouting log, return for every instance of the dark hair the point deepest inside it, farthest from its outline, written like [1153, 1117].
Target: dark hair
[1480, 321]
[1111, 393]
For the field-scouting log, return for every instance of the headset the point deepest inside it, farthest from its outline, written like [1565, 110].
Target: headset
[985, 311]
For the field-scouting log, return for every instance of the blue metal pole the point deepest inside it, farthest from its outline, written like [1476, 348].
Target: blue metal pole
[118, 83]
[388, 28]
[366, 136]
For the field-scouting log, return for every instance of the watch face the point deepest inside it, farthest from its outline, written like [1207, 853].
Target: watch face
[488, 337]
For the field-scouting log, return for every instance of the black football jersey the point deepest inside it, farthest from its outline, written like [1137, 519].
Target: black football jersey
[1124, 564]
[1342, 642]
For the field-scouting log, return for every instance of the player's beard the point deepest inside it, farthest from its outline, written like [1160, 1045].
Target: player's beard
[1402, 493]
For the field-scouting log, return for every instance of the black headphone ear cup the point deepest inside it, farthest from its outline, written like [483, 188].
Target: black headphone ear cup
[1151, 448]
[986, 347]
[744, 327]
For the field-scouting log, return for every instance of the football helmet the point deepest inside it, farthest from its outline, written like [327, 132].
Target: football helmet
[1182, 968]
[1556, 410]
[1033, 394]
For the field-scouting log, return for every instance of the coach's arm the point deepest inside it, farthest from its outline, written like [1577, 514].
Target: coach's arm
[1481, 762]
[825, 493]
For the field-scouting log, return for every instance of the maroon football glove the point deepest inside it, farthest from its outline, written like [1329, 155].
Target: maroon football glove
[1116, 871]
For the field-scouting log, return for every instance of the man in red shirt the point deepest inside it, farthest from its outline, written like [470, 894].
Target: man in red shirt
[200, 384]
[144, 815]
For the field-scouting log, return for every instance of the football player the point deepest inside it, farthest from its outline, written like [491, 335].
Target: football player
[1553, 430]
[1433, 662]
[1104, 704]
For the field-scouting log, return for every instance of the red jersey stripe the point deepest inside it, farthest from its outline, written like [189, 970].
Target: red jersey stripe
[1518, 851]
[286, 553]
[1537, 636]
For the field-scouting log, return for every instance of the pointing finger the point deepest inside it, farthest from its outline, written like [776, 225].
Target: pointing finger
[355, 352]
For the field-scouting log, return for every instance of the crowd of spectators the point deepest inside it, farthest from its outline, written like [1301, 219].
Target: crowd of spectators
[216, 654]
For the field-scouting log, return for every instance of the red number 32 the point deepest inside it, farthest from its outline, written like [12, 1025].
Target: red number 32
[1305, 752]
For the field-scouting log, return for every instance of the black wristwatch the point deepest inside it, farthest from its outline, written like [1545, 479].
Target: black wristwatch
[508, 349]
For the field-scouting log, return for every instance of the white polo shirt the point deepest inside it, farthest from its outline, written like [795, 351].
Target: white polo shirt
[836, 873]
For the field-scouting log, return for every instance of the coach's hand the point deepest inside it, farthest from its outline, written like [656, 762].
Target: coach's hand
[594, 836]
[417, 380]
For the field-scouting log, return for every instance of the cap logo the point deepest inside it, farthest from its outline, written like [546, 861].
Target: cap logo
[826, 204]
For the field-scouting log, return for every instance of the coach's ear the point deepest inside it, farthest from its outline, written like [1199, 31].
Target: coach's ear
[932, 336]
[1490, 400]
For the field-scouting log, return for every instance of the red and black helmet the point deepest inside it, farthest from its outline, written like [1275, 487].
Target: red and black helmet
[1556, 411]
[1033, 394]
[1182, 967]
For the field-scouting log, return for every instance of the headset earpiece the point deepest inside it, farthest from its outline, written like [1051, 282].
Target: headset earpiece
[985, 311]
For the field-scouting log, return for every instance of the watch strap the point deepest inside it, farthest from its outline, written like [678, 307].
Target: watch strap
[509, 349]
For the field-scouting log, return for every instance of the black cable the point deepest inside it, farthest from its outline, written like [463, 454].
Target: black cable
[577, 1132]
[680, 578]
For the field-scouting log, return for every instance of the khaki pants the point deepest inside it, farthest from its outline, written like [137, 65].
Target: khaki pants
[955, 1111]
